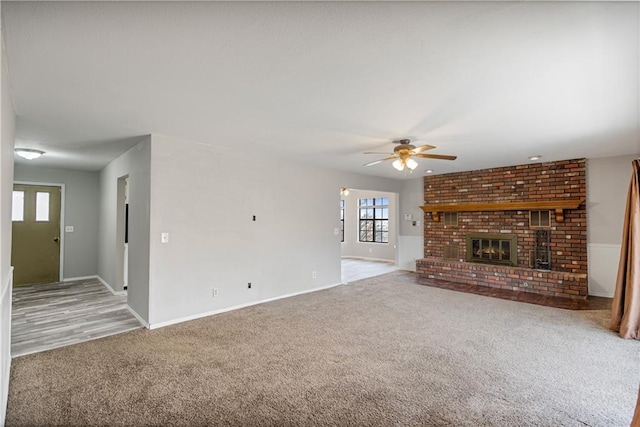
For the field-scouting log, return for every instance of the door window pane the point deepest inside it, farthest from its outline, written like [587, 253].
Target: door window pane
[17, 206]
[42, 206]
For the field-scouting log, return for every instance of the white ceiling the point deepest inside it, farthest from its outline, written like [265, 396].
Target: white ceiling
[492, 83]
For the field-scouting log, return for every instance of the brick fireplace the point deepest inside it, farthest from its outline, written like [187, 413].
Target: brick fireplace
[510, 227]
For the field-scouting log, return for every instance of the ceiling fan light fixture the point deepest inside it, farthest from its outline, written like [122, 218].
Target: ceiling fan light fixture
[404, 153]
[28, 153]
[411, 164]
[344, 191]
[398, 164]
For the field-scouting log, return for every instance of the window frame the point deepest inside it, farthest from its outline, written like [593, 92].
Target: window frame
[373, 206]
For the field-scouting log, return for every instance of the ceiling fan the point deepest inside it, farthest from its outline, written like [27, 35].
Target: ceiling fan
[404, 152]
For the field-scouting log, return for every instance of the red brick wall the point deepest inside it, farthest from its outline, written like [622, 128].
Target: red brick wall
[536, 181]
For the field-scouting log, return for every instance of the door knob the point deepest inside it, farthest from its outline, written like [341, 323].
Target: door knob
[56, 239]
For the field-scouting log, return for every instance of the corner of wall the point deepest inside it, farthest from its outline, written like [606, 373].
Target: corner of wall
[135, 163]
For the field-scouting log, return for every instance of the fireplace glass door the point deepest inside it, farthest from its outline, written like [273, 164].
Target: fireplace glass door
[492, 249]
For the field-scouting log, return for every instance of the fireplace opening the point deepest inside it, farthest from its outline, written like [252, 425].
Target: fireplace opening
[488, 248]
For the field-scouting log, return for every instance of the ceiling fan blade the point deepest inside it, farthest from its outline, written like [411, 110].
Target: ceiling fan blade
[436, 156]
[422, 148]
[380, 161]
[375, 152]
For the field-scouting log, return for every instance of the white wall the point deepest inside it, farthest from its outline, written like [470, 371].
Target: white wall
[81, 210]
[136, 164]
[205, 198]
[7, 123]
[607, 185]
[411, 239]
[352, 247]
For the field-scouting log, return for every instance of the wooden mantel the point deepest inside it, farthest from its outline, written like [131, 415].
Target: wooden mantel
[558, 206]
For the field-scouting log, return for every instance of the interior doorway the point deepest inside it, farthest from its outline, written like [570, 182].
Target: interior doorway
[36, 242]
[369, 233]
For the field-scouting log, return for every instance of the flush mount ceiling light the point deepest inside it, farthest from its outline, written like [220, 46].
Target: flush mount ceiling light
[534, 158]
[28, 153]
[428, 171]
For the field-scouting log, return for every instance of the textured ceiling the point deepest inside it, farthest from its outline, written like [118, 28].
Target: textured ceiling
[492, 83]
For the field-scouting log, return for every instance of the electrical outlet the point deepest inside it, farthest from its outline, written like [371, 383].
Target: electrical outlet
[214, 292]
[314, 275]
[249, 285]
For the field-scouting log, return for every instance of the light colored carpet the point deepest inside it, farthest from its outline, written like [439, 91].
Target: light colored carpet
[382, 351]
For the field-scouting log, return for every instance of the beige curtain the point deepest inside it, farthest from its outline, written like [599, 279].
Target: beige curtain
[625, 311]
[635, 422]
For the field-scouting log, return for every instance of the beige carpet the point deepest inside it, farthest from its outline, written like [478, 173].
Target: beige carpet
[382, 351]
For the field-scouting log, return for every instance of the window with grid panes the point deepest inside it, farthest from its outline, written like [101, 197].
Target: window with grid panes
[373, 220]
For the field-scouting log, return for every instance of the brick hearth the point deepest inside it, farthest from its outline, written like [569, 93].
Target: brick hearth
[553, 283]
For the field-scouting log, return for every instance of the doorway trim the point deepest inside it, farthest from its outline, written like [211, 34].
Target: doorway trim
[62, 216]
[122, 184]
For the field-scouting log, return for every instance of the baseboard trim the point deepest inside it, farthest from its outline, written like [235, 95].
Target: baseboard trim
[599, 294]
[106, 285]
[236, 307]
[137, 316]
[75, 279]
[364, 258]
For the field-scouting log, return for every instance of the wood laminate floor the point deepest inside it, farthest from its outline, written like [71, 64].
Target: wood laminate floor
[58, 314]
[355, 269]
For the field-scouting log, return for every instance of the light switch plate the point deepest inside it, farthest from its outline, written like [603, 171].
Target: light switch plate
[164, 238]
[408, 217]
[68, 228]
